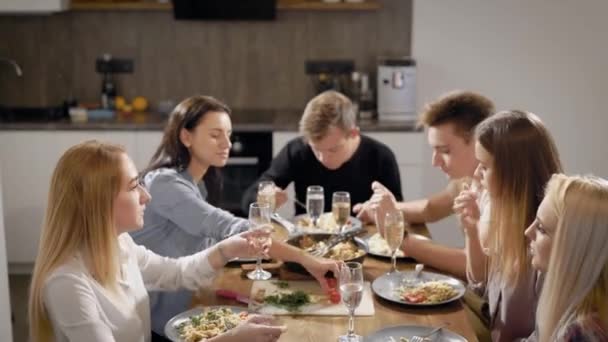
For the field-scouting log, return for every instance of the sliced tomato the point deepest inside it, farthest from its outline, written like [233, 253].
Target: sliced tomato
[334, 297]
[414, 297]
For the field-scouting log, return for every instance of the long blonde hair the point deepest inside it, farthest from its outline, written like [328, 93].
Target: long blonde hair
[524, 158]
[576, 282]
[79, 219]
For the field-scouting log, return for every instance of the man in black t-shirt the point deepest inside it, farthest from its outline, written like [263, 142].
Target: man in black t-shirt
[332, 153]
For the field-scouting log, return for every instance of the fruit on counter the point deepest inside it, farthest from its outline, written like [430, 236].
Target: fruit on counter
[127, 108]
[139, 104]
[119, 102]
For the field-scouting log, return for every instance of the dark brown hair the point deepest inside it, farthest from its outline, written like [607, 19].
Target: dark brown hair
[524, 159]
[464, 109]
[173, 154]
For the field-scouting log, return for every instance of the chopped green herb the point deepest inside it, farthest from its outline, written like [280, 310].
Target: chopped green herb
[281, 284]
[292, 302]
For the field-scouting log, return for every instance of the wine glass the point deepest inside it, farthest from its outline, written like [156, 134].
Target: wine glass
[315, 203]
[259, 219]
[266, 194]
[394, 230]
[351, 290]
[340, 208]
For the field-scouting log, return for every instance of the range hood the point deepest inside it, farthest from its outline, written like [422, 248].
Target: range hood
[224, 9]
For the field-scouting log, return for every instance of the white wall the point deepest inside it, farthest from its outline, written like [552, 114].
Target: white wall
[5, 304]
[548, 57]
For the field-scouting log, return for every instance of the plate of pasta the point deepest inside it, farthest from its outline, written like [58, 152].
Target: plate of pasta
[404, 333]
[200, 324]
[427, 290]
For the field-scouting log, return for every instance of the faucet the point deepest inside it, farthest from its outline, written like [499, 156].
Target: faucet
[14, 64]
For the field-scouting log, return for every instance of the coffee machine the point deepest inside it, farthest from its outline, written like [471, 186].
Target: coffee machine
[396, 89]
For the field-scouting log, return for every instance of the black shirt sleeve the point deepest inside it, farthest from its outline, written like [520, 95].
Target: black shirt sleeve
[389, 173]
[279, 172]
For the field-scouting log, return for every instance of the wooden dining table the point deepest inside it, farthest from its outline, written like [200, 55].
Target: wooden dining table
[302, 328]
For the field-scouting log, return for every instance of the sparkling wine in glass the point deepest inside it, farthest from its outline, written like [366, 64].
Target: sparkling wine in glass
[340, 208]
[259, 219]
[315, 203]
[351, 290]
[394, 229]
[266, 194]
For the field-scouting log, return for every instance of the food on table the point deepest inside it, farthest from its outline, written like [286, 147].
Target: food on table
[209, 324]
[377, 245]
[430, 292]
[325, 223]
[346, 250]
[293, 301]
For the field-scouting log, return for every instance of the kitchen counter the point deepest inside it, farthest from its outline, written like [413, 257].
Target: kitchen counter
[242, 120]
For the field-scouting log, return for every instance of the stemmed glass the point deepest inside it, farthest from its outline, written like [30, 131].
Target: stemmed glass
[351, 290]
[340, 207]
[394, 230]
[315, 203]
[259, 219]
[266, 194]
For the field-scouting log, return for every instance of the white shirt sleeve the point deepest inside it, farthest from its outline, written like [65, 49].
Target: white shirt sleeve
[161, 273]
[71, 302]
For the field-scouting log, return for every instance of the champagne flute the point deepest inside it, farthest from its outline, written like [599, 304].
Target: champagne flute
[266, 194]
[340, 208]
[315, 203]
[351, 290]
[394, 229]
[259, 219]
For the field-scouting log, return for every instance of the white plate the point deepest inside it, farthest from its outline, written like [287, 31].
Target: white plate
[371, 252]
[386, 286]
[409, 331]
[171, 326]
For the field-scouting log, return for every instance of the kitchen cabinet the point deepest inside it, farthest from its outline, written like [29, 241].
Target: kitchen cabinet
[28, 161]
[409, 149]
[33, 6]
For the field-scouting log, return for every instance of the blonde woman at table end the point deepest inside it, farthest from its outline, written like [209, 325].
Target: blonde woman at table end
[90, 278]
[568, 242]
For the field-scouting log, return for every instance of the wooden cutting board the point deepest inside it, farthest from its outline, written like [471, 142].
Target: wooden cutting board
[325, 308]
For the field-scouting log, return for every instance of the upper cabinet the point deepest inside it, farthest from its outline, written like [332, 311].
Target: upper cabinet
[33, 6]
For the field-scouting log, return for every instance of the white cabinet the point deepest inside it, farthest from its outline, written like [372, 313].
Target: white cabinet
[409, 150]
[147, 142]
[28, 161]
[5, 302]
[33, 6]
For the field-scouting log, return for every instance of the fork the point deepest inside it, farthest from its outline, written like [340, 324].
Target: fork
[331, 242]
[417, 338]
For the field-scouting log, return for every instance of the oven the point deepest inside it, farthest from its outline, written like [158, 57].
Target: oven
[250, 156]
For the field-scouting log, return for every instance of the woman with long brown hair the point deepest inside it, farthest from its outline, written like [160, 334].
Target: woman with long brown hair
[568, 242]
[183, 179]
[517, 156]
[90, 278]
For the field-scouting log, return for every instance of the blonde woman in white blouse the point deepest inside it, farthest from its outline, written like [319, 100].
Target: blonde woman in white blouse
[90, 278]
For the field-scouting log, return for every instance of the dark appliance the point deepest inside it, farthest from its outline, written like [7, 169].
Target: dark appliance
[224, 9]
[250, 156]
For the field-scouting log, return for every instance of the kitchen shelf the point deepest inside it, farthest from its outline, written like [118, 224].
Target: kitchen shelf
[296, 5]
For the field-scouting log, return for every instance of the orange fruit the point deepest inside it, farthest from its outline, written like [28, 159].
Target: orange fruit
[119, 102]
[139, 104]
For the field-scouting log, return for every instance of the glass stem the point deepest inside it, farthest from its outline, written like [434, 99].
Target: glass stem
[258, 265]
[394, 260]
[351, 323]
